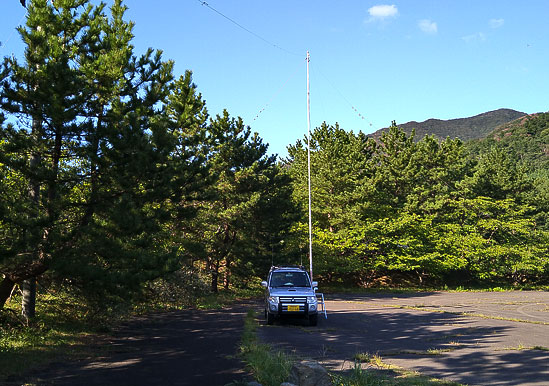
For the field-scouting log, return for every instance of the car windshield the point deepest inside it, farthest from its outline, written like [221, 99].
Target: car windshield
[289, 279]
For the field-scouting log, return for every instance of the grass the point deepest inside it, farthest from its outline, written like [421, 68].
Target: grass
[225, 297]
[60, 330]
[270, 368]
[371, 370]
[522, 347]
[407, 289]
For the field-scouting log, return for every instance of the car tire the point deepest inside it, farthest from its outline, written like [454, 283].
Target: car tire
[270, 318]
[313, 320]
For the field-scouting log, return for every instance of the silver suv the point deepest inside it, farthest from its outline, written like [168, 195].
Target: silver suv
[289, 292]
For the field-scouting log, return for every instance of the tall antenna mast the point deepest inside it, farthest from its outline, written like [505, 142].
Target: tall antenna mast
[309, 169]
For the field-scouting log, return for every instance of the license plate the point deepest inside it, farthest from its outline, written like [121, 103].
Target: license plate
[293, 307]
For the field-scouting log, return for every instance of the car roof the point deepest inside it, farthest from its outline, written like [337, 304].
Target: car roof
[289, 268]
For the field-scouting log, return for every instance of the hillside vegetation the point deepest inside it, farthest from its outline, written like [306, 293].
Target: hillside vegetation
[526, 139]
[465, 129]
[525, 142]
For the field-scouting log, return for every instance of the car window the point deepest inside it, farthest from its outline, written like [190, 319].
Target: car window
[289, 279]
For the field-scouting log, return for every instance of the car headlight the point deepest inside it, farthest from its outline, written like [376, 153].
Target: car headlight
[311, 299]
[273, 299]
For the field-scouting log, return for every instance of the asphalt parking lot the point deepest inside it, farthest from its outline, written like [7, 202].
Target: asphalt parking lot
[475, 338]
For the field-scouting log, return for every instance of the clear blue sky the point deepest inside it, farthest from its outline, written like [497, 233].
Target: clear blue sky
[397, 60]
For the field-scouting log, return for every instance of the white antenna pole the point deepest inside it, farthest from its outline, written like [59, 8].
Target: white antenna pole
[309, 169]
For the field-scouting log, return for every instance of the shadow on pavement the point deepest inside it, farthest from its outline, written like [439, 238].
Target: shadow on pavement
[442, 345]
[189, 347]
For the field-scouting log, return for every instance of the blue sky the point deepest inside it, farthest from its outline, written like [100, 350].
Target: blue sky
[371, 61]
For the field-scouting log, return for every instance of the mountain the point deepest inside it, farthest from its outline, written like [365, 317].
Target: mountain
[465, 129]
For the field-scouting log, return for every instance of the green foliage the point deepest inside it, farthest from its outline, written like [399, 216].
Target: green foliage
[391, 375]
[423, 208]
[340, 165]
[524, 142]
[497, 176]
[248, 207]
[116, 180]
[86, 151]
[340, 168]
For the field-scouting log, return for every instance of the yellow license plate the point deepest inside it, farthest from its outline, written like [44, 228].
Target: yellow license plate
[292, 307]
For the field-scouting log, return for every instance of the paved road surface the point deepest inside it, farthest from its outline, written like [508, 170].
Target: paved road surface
[181, 348]
[479, 339]
[431, 333]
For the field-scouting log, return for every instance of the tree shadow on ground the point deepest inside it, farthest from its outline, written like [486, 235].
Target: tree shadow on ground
[442, 345]
[184, 348]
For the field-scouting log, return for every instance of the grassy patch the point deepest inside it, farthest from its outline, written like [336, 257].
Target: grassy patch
[359, 376]
[270, 368]
[522, 347]
[371, 370]
[225, 297]
[409, 289]
[62, 328]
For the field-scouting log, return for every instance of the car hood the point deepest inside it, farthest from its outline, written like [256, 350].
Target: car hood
[292, 291]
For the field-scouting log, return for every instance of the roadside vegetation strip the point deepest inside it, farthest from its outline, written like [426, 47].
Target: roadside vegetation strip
[521, 347]
[269, 367]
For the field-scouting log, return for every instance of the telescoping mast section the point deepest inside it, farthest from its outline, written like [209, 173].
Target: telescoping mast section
[309, 169]
[320, 296]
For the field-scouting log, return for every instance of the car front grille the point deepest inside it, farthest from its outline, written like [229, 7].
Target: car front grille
[293, 299]
[288, 302]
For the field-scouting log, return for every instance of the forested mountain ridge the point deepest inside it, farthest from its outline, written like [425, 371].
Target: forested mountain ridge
[478, 126]
[526, 139]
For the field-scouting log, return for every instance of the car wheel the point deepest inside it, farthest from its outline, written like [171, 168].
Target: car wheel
[270, 318]
[313, 320]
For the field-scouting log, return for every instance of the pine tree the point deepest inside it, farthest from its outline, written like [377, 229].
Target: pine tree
[95, 126]
[43, 93]
[342, 167]
[228, 225]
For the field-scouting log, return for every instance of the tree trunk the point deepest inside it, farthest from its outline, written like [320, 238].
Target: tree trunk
[28, 306]
[215, 276]
[227, 275]
[6, 286]
[214, 268]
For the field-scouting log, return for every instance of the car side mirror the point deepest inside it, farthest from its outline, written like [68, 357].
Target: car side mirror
[315, 284]
[264, 284]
